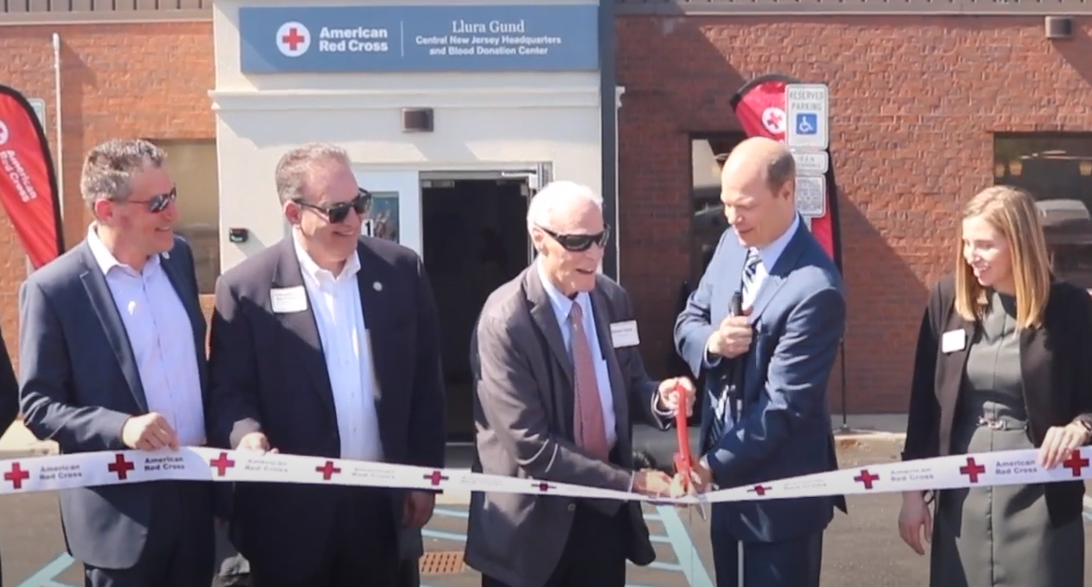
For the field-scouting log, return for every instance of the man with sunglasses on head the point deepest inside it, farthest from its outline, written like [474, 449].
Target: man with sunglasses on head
[327, 344]
[112, 357]
[558, 374]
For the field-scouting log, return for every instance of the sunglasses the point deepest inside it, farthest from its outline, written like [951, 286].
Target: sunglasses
[337, 213]
[156, 203]
[578, 243]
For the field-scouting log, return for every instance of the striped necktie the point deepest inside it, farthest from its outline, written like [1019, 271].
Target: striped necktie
[722, 402]
[750, 272]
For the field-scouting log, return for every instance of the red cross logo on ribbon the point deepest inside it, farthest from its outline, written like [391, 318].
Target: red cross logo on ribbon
[121, 467]
[328, 470]
[543, 487]
[760, 490]
[866, 478]
[436, 477]
[1075, 462]
[972, 470]
[17, 475]
[221, 464]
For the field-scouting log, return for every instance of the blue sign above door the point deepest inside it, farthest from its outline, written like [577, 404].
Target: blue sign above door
[435, 38]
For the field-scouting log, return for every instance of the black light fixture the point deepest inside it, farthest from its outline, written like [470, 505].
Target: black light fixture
[1059, 27]
[417, 120]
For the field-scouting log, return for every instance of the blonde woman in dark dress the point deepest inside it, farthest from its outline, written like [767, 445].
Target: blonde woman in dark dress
[1004, 362]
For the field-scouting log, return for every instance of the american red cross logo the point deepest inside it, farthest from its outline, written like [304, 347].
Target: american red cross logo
[17, 475]
[866, 478]
[221, 464]
[972, 470]
[759, 489]
[328, 470]
[773, 120]
[1075, 463]
[544, 487]
[293, 38]
[436, 477]
[120, 467]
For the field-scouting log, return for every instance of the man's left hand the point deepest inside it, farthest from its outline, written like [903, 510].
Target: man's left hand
[668, 398]
[418, 508]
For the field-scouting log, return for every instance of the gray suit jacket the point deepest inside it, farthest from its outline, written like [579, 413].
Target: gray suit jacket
[80, 383]
[523, 410]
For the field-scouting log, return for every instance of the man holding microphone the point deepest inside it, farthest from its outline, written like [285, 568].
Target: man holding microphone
[766, 361]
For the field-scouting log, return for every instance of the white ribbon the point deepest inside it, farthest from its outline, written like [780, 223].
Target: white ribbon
[51, 473]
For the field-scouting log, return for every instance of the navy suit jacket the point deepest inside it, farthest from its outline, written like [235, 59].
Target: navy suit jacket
[80, 384]
[269, 375]
[784, 426]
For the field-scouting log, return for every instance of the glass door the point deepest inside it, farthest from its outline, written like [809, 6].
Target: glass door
[395, 211]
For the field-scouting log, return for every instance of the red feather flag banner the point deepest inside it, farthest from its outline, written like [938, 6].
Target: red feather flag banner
[28, 182]
[760, 107]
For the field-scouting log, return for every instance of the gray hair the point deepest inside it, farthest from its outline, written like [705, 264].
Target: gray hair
[294, 168]
[109, 168]
[557, 194]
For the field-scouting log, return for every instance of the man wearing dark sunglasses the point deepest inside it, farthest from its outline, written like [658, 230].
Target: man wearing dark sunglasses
[112, 357]
[558, 373]
[327, 343]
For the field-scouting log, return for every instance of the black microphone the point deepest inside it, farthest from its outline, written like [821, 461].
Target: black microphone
[737, 304]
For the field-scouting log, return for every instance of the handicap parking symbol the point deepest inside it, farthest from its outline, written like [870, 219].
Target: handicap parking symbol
[807, 123]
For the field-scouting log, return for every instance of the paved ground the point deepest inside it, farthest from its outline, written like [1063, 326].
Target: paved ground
[861, 549]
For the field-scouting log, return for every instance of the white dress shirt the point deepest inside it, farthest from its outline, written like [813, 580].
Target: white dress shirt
[346, 345]
[562, 307]
[161, 337]
[768, 256]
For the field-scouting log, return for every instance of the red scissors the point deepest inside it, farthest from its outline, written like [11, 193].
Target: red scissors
[684, 462]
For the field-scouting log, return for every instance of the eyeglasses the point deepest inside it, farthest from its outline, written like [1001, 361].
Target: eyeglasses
[337, 213]
[156, 203]
[578, 243]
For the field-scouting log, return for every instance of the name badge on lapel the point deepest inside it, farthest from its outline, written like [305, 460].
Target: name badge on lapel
[623, 334]
[288, 300]
[953, 340]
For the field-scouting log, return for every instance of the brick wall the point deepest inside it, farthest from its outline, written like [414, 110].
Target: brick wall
[914, 102]
[118, 80]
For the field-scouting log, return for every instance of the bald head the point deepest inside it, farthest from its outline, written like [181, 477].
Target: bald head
[758, 181]
[764, 157]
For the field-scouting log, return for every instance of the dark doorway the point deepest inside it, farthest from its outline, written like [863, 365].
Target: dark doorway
[474, 238]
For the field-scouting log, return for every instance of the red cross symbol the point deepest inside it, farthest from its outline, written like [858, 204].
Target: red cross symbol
[293, 39]
[773, 120]
[972, 470]
[544, 487]
[866, 478]
[328, 470]
[221, 464]
[1075, 463]
[121, 467]
[436, 477]
[759, 489]
[17, 476]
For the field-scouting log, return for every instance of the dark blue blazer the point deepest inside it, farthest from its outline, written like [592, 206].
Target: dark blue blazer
[79, 383]
[784, 428]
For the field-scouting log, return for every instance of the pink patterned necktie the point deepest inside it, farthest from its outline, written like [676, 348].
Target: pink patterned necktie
[589, 428]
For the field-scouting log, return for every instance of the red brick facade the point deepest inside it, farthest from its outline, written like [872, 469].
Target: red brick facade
[132, 80]
[914, 103]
